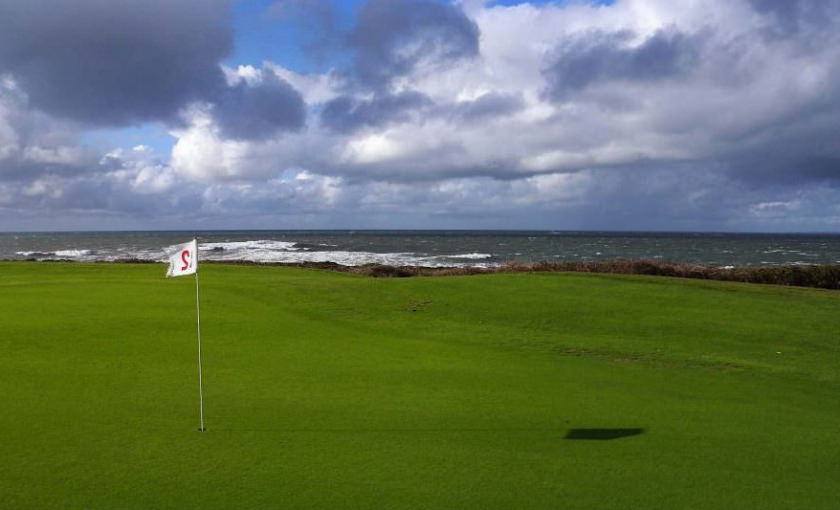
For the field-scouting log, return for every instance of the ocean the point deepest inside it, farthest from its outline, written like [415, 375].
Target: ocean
[431, 248]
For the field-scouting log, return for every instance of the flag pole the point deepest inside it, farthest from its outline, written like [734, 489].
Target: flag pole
[198, 330]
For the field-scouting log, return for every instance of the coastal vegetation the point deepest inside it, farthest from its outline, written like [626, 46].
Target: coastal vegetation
[823, 276]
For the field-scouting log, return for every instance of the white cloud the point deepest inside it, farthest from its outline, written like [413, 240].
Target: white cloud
[740, 86]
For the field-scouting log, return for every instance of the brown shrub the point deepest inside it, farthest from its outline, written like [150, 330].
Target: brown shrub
[818, 276]
[821, 276]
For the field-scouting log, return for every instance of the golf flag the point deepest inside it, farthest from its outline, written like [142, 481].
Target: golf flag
[183, 259]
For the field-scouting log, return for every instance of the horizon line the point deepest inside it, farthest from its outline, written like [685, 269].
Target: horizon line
[433, 230]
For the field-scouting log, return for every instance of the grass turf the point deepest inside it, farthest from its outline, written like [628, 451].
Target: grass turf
[328, 390]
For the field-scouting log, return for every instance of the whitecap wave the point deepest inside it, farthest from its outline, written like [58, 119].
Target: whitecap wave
[344, 258]
[469, 256]
[287, 252]
[270, 251]
[74, 253]
[261, 244]
[58, 254]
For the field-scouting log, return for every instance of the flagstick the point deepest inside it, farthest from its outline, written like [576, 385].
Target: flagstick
[198, 323]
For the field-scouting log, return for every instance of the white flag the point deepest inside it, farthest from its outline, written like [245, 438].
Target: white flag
[183, 259]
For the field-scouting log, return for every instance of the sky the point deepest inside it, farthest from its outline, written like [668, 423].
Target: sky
[680, 115]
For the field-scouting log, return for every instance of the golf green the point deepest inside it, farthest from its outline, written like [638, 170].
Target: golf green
[328, 390]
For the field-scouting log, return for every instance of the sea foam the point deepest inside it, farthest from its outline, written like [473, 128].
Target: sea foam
[471, 256]
[261, 244]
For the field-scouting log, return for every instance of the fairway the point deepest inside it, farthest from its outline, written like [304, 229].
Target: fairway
[328, 390]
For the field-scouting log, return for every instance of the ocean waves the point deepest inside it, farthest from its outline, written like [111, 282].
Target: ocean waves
[58, 254]
[285, 252]
[430, 248]
[268, 251]
[237, 246]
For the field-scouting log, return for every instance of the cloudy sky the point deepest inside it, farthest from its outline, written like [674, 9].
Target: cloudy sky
[718, 115]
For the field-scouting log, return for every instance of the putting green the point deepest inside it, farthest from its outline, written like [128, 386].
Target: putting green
[328, 390]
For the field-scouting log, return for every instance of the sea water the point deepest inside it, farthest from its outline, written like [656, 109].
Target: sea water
[431, 248]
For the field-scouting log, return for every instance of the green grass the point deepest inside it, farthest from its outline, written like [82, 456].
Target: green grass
[328, 390]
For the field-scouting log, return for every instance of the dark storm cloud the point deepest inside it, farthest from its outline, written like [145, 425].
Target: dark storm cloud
[98, 195]
[392, 36]
[597, 56]
[785, 162]
[797, 148]
[346, 113]
[33, 143]
[390, 39]
[115, 62]
[792, 16]
[315, 23]
[488, 105]
[21, 170]
[260, 110]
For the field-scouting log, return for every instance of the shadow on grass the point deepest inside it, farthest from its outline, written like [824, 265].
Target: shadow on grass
[602, 434]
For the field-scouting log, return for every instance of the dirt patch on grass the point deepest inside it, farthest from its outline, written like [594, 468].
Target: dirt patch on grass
[650, 359]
